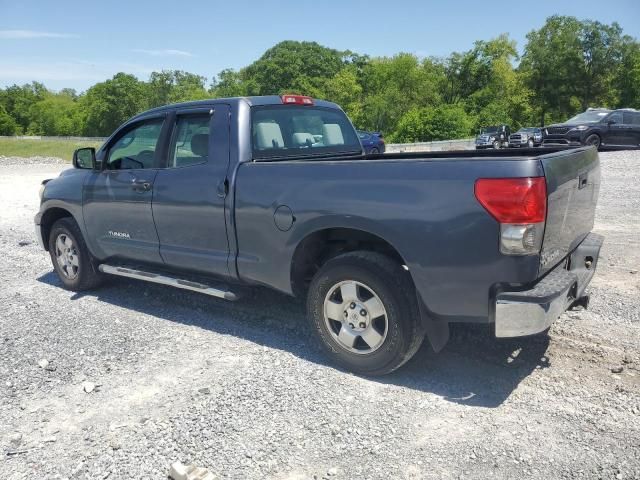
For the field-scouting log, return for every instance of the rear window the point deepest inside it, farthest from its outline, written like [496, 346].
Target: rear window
[284, 131]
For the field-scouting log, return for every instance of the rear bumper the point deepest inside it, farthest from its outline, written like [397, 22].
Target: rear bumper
[532, 311]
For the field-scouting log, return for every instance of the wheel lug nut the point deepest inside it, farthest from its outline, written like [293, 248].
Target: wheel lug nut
[352, 306]
[352, 325]
[363, 325]
[363, 312]
[346, 314]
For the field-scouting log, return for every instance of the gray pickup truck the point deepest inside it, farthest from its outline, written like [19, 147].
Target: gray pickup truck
[217, 195]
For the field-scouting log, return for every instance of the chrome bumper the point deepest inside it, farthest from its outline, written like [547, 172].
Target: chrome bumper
[533, 311]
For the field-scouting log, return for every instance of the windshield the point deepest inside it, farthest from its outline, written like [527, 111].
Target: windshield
[284, 131]
[589, 117]
[528, 130]
[489, 130]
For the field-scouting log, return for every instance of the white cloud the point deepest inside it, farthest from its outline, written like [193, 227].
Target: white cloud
[77, 74]
[164, 53]
[28, 34]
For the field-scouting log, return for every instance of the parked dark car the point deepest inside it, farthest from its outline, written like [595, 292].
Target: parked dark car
[218, 195]
[526, 137]
[495, 137]
[599, 127]
[372, 142]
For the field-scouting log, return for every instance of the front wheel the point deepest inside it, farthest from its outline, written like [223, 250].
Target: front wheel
[71, 259]
[363, 309]
[593, 140]
[530, 143]
[496, 145]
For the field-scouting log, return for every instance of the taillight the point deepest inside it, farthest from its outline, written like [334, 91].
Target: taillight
[296, 100]
[520, 206]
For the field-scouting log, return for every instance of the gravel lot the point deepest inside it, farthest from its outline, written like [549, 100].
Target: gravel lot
[239, 388]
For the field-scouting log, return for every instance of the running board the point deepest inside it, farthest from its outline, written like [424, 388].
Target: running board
[164, 280]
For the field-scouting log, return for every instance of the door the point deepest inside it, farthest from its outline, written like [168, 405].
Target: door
[616, 132]
[632, 128]
[117, 199]
[190, 193]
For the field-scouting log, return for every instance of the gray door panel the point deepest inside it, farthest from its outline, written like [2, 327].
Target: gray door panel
[117, 214]
[117, 200]
[189, 205]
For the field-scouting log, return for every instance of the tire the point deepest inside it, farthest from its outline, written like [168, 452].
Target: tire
[374, 151]
[530, 143]
[593, 139]
[496, 145]
[389, 319]
[70, 257]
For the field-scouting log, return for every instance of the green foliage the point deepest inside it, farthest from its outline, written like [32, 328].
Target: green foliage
[425, 124]
[8, 125]
[571, 65]
[566, 66]
[108, 104]
[293, 67]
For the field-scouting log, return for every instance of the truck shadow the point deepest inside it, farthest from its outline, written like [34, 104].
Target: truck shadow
[474, 368]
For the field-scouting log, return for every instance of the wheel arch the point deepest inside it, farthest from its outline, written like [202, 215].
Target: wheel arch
[322, 244]
[49, 217]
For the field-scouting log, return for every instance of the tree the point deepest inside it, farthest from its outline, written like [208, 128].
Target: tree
[56, 114]
[172, 86]
[427, 124]
[627, 79]
[108, 104]
[396, 85]
[571, 64]
[8, 125]
[17, 102]
[294, 67]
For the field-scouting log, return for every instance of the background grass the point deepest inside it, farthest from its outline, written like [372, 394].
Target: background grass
[11, 147]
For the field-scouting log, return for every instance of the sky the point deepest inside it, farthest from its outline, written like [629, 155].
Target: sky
[76, 43]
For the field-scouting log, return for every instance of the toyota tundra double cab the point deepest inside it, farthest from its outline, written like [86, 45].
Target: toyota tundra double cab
[217, 195]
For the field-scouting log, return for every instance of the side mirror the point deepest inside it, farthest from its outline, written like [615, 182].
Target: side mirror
[84, 158]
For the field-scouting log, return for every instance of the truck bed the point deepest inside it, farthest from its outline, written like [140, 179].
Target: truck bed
[423, 204]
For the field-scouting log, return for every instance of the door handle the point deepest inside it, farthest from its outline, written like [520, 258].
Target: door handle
[223, 188]
[141, 186]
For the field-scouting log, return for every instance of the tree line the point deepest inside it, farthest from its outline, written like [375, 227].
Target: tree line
[565, 67]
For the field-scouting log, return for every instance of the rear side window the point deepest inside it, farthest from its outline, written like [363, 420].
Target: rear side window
[190, 143]
[283, 131]
[631, 118]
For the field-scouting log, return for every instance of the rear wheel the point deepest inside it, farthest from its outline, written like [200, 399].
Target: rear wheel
[594, 140]
[496, 145]
[363, 309]
[71, 259]
[374, 151]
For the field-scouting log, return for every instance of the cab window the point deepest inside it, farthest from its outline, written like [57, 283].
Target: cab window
[136, 148]
[190, 143]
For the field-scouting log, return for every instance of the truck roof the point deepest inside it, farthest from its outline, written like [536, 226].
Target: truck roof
[251, 101]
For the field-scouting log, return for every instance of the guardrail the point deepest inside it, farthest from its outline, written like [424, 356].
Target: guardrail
[438, 146]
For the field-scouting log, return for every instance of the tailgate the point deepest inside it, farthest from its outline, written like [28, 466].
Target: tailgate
[573, 181]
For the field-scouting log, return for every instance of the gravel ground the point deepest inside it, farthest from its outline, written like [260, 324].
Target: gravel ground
[240, 389]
